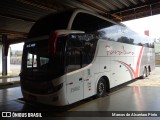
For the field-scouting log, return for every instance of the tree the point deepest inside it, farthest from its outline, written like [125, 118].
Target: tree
[124, 39]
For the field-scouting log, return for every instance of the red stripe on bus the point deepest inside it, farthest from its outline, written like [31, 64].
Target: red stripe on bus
[55, 41]
[52, 42]
[138, 61]
[130, 68]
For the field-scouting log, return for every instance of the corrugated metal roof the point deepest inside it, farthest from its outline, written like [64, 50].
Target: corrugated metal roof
[19, 15]
[20, 10]
[13, 24]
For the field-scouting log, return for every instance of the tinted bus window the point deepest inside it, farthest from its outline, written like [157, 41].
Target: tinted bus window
[89, 23]
[111, 33]
[80, 50]
[73, 56]
[50, 23]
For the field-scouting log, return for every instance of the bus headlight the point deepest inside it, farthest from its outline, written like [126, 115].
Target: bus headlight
[56, 88]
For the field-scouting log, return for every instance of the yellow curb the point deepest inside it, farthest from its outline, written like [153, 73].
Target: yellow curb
[9, 83]
[9, 72]
[1, 77]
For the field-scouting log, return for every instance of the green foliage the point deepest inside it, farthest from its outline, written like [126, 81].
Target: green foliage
[157, 48]
[124, 39]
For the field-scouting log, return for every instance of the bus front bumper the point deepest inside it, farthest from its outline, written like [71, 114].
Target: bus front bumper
[55, 99]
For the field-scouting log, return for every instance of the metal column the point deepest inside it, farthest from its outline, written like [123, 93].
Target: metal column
[4, 54]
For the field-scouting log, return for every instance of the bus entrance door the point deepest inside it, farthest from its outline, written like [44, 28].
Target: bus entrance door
[75, 87]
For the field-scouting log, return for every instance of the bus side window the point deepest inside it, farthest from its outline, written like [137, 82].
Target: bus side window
[73, 56]
[88, 51]
[80, 51]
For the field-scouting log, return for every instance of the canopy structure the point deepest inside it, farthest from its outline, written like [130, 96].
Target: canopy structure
[18, 16]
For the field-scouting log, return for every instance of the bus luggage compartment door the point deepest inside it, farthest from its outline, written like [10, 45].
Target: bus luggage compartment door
[74, 87]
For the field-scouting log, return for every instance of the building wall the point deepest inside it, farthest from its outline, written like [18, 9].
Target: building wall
[157, 48]
[8, 60]
[157, 51]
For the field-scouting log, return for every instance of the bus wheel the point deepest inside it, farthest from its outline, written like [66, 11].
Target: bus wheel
[101, 88]
[149, 70]
[145, 73]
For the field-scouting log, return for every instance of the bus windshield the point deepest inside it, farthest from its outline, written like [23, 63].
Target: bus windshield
[39, 61]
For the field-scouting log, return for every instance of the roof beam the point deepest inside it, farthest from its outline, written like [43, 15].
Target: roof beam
[2, 31]
[124, 2]
[38, 5]
[17, 17]
[117, 4]
[88, 2]
[146, 3]
[143, 1]
[107, 4]
[133, 1]
[77, 4]
[17, 40]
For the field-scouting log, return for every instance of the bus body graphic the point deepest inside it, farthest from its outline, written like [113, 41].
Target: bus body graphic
[72, 55]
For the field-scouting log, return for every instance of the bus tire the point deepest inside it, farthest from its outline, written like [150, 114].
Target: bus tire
[149, 70]
[145, 73]
[101, 87]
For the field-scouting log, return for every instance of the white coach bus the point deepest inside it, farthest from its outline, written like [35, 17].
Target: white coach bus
[72, 55]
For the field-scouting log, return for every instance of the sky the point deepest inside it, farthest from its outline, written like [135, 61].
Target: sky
[139, 25]
[18, 46]
[148, 23]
